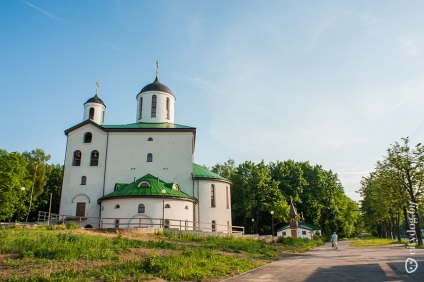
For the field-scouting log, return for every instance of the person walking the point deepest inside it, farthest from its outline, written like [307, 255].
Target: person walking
[334, 240]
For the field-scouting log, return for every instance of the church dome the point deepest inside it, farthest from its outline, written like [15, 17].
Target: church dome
[156, 86]
[95, 99]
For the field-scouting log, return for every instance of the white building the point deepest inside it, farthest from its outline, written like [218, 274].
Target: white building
[141, 174]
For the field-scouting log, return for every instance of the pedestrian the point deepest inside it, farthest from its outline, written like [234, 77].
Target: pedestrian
[334, 240]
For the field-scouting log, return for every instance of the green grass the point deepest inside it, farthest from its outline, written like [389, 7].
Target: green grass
[69, 255]
[373, 242]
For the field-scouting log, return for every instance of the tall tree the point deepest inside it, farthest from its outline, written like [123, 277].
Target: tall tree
[407, 164]
[53, 186]
[37, 175]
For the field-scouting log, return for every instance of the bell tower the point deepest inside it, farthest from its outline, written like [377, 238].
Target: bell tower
[94, 108]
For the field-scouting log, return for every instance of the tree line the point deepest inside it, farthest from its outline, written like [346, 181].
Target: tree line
[393, 193]
[26, 182]
[317, 194]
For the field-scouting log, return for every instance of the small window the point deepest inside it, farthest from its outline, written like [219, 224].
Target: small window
[212, 196]
[149, 158]
[150, 139]
[144, 184]
[94, 161]
[141, 208]
[175, 187]
[303, 232]
[77, 158]
[167, 206]
[213, 225]
[88, 137]
[117, 206]
[116, 223]
[91, 115]
[284, 233]
[154, 101]
[83, 180]
[186, 207]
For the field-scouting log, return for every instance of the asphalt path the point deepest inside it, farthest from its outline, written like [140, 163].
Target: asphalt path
[386, 263]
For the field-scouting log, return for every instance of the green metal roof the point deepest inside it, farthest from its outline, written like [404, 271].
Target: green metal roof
[199, 172]
[147, 125]
[138, 126]
[155, 189]
[308, 225]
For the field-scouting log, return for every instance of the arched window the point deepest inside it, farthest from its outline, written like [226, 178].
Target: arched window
[103, 117]
[144, 184]
[77, 158]
[117, 206]
[167, 206]
[94, 160]
[213, 225]
[154, 101]
[212, 196]
[83, 180]
[149, 158]
[91, 114]
[150, 139]
[141, 208]
[88, 137]
[167, 108]
[140, 113]
[186, 207]
[116, 223]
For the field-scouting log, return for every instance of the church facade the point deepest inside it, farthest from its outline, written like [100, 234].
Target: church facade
[141, 174]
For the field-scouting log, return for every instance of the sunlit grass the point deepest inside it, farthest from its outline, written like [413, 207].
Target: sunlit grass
[373, 242]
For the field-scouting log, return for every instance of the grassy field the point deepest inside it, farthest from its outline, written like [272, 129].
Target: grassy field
[374, 242]
[38, 254]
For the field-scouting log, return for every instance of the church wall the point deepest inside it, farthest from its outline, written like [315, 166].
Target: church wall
[221, 213]
[72, 191]
[128, 215]
[172, 158]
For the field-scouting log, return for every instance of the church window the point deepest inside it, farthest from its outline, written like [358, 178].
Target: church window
[77, 158]
[103, 117]
[150, 139]
[88, 137]
[154, 101]
[212, 196]
[175, 186]
[84, 180]
[140, 113]
[213, 225]
[227, 197]
[91, 114]
[167, 108]
[116, 223]
[117, 206]
[144, 184]
[167, 206]
[186, 207]
[141, 208]
[94, 161]
[149, 158]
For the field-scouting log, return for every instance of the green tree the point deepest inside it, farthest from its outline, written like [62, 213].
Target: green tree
[226, 169]
[53, 186]
[37, 174]
[12, 178]
[407, 165]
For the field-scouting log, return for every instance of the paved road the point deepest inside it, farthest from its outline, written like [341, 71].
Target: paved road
[344, 264]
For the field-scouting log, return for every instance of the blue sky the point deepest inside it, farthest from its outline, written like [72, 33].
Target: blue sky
[329, 82]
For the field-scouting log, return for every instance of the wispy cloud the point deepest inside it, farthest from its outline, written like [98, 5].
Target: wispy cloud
[49, 15]
[410, 45]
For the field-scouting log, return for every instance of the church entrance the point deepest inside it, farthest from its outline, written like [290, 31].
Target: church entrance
[293, 233]
[80, 209]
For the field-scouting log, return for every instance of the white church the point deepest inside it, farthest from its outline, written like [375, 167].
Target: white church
[141, 174]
